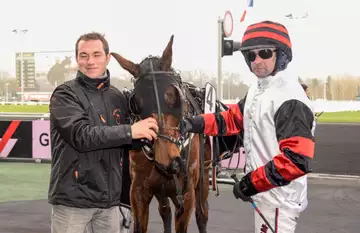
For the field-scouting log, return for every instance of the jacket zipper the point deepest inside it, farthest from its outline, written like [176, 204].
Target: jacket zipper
[109, 165]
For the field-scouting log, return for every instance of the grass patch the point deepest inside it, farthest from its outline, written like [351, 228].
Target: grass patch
[23, 181]
[25, 108]
[329, 117]
[340, 117]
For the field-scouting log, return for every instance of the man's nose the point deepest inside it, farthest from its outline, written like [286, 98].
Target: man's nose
[257, 59]
[91, 60]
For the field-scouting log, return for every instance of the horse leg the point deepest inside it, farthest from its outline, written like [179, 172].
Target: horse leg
[140, 201]
[165, 212]
[202, 206]
[182, 222]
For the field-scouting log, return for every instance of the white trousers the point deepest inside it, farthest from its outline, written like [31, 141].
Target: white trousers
[126, 225]
[281, 220]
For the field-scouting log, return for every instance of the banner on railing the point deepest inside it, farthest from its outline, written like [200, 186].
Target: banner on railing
[31, 140]
[41, 147]
[15, 141]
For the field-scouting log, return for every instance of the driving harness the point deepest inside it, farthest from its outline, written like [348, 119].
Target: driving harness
[147, 97]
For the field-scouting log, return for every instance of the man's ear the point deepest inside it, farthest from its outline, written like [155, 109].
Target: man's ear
[108, 57]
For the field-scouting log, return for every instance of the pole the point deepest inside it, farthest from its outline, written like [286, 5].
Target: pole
[219, 81]
[255, 206]
[3, 79]
[7, 93]
[229, 88]
[22, 78]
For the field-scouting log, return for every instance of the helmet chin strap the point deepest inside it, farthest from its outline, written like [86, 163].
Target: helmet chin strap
[281, 62]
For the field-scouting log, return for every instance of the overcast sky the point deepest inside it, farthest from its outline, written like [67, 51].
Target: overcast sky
[326, 42]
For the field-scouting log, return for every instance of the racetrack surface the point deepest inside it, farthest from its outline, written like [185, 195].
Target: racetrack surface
[337, 149]
[333, 207]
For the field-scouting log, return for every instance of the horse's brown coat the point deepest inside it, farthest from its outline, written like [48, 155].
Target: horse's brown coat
[147, 182]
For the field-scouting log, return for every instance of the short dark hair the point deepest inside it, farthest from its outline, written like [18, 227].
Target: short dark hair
[304, 86]
[93, 36]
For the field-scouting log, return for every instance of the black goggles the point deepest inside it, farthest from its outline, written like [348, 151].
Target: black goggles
[263, 54]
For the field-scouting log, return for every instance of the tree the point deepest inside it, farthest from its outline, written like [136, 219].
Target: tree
[328, 89]
[5, 77]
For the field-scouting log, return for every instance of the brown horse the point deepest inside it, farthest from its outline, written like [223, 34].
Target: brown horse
[172, 166]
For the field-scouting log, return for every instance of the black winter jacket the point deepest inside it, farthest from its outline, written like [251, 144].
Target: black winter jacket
[88, 140]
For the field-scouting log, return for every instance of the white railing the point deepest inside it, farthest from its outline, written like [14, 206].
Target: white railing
[25, 103]
[335, 105]
[320, 105]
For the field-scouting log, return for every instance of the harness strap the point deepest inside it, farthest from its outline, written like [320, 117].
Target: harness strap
[192, 101]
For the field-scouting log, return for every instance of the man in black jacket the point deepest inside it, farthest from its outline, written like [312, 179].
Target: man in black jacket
[89, 136]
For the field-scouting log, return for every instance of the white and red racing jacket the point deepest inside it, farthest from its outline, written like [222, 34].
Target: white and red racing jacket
[277, 119]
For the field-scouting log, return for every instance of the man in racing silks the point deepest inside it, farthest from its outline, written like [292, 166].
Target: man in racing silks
[277, 119]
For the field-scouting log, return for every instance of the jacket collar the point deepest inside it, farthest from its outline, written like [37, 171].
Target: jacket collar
[263, 83]
[101, 83]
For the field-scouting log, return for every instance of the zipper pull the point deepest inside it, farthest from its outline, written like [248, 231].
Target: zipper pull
[102, 118]
[100, 86]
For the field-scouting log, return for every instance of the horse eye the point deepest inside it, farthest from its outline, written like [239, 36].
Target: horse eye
[137, 103]
[171, 97]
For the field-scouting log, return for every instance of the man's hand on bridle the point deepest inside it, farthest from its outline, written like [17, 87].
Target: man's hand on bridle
[146, 128]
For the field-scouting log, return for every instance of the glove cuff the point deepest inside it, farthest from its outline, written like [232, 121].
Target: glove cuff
[197, 124]
[247, 187]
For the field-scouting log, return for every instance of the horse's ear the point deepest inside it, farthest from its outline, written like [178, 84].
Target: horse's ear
[166, 59]
[131, 67]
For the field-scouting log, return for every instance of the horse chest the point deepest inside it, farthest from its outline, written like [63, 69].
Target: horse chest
[165, 187]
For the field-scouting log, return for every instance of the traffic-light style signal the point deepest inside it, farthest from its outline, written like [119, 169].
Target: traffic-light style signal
[229, 47]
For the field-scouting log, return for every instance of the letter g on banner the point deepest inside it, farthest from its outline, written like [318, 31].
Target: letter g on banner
[44, 139]
[41, 139]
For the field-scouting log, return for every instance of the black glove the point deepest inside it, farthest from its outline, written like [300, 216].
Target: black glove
[186, 126]
[238, 193]
[244, 189]
[192, 124]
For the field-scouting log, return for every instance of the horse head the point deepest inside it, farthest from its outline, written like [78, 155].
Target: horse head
[158, 93]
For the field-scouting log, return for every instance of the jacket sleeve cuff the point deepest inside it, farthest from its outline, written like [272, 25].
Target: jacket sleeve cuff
[247, 187]
[126, 134]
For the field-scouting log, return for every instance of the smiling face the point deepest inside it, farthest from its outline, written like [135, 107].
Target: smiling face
[91, 58]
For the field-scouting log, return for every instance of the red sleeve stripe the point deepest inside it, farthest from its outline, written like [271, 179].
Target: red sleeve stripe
[260, 181]
[224, 123]
[280, 171]
[299, 145]
[210, 127]
[233, 120]
[286, 168]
